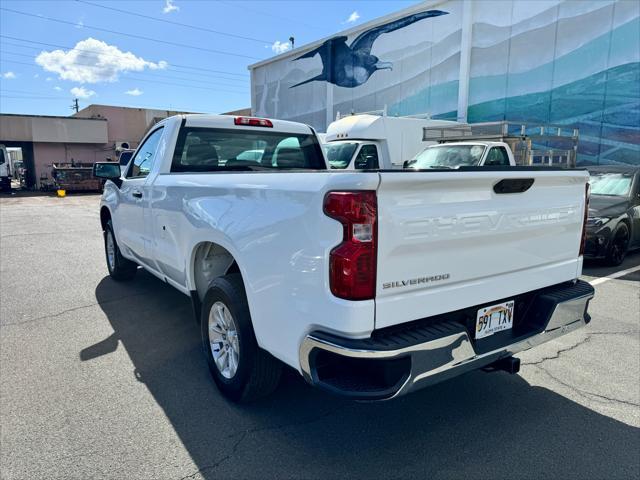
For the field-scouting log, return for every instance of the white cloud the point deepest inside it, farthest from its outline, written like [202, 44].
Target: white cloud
[80, 24]
[136, 92]
[57, 89]
[36, 76]
[48, 79]
[353, 17]
[9, 75]
[82, 92]
[93, 61]
[170, 7]
[280, 47]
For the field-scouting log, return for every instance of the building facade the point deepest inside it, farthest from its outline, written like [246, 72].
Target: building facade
[562, 62]
[94, 134]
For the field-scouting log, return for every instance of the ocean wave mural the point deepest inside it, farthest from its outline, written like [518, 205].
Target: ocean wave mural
[574, 63]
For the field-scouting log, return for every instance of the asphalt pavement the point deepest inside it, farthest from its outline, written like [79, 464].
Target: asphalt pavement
[106, 380]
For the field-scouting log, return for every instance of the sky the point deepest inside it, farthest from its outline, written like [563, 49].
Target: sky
[188, 55]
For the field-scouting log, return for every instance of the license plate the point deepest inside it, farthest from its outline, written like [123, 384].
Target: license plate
[493, 319]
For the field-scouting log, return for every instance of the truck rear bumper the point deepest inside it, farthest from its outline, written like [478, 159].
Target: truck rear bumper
[399, 360]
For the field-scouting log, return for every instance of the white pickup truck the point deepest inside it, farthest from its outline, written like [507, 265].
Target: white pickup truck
[370, 284]
[463, 154]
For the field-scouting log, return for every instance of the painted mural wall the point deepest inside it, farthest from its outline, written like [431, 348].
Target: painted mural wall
[561, 62]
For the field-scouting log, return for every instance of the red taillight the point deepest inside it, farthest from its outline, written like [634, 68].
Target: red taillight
[583, 240]
[253, 122]
[352, 264]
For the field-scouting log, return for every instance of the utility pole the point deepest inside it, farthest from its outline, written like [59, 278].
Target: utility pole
[74, 106]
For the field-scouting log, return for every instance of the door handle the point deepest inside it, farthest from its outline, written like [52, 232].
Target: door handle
[136, 194]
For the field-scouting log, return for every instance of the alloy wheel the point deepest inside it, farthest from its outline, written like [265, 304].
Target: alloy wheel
[223, 339]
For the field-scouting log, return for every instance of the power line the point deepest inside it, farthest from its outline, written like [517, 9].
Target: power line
[140, 37]
[194, 27]
[88, 65]
[25, 97]
[269, 14]
[151, 107]
[21, 91]
[110, 54]
[149, 81]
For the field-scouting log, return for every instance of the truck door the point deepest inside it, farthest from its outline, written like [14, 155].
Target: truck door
[131, 229]
[367, 158]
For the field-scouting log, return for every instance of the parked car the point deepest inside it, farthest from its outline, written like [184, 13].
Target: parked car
[370, 284]
[613, 226]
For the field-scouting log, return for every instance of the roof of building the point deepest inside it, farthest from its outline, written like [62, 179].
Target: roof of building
[51, 116]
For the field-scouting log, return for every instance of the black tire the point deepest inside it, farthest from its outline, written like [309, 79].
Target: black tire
[120, 269]
[619, 245]
[257, 373]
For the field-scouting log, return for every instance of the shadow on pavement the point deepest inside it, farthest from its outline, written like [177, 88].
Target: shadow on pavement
[479, 425]
[598, 268]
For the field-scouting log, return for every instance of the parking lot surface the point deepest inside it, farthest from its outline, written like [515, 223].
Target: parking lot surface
[106, 380]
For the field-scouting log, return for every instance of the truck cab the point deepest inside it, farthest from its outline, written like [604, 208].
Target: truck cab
[371, 142]
[463, 154]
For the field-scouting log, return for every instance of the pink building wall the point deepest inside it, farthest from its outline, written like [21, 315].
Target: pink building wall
[46, 154]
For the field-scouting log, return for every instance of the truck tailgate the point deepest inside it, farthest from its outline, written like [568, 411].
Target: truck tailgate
[447, 240]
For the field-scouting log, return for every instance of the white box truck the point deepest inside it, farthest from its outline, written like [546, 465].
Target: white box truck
[376, 141]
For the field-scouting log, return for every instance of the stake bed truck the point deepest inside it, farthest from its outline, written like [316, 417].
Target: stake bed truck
[370, 284]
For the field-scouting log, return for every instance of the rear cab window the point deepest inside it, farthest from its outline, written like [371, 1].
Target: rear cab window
[202, 149]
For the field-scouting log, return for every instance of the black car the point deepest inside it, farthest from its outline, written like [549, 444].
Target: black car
[613, 226]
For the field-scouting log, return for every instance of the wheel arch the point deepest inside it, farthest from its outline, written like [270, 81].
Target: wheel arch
[105, 216]
[627, 222]
[210, 260]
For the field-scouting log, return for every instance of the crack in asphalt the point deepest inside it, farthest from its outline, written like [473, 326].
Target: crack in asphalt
[587, 394]
[73, 309]
[219, 462]
[558, 353]
[584, 393]
[582, 342]
[64, 232]
[243, 436]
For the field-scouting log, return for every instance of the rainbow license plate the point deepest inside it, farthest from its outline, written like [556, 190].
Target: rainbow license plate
[493, 319]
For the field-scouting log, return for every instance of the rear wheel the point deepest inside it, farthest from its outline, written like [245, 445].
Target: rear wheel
[242, 370]
[119, 267]
[619, 245]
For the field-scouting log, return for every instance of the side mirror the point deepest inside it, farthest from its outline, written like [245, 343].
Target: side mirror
[108, 171]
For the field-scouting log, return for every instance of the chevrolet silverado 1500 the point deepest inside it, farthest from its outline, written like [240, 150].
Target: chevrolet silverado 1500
[369, 284]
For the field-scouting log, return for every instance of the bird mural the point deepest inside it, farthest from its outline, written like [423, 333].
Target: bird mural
[352, 65]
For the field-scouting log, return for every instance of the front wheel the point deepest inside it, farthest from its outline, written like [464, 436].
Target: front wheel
[119, 267]
[619, 245]
[242, 370]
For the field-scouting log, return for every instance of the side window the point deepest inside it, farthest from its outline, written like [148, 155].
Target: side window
[367, 158]
[497, 156]
[145, 156]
